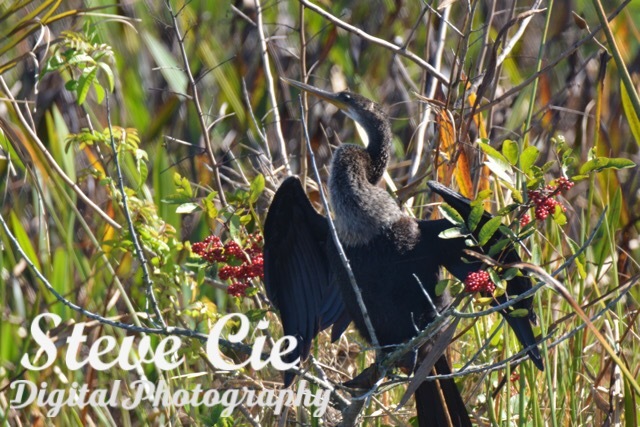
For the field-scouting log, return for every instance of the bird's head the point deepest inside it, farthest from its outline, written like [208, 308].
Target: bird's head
[360, 109]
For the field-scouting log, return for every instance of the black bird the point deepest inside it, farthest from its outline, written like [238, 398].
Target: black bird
[387, 249]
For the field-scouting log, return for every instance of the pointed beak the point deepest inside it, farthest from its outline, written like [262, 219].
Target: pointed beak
[322, 94]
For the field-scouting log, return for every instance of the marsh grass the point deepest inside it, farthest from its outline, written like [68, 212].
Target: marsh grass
[515, 72]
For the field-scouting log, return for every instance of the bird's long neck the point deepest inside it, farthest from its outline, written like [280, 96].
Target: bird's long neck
[379, 147]
[362, 209]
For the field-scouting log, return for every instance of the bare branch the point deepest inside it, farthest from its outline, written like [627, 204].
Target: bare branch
[271, 89]
[380, 42]
[336, 240]
[146, 277]
[217, 183]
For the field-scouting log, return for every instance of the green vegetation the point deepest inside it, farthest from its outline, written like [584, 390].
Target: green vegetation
[130, 132]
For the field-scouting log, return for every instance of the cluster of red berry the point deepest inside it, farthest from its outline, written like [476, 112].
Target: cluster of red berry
[525, 219]
[240, 264]
[479, 281]
[210, 249]
[544, 201]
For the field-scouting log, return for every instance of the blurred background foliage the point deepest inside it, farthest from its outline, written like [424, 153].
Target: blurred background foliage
[59, 60]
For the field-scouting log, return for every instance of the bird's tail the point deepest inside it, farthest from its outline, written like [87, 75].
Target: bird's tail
[439, 403]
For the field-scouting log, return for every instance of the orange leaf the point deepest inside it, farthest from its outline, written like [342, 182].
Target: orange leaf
[482, 130]
[446, 145]
[462, 175]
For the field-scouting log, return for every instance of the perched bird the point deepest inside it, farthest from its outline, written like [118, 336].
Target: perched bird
[394, 259]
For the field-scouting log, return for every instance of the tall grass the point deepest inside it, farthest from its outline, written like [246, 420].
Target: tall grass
[531, 83]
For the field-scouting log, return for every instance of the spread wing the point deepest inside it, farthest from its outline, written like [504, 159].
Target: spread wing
[297, 272]
[519, 284]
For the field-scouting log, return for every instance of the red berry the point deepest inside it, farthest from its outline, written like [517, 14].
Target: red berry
[544, 201]
[524, 220]
[565, 184]
[210, 249]
[231, 248]
[541, 213]
[479, 281]
[226, 272]
[237, 289]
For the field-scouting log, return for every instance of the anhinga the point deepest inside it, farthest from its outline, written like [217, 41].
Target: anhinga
[306, 280]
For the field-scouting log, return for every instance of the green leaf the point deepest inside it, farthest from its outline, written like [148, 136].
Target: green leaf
[508, 209]
[183, 185]
[23, 240]
[510, 151]
[187, 208]
[210, 206]
[141, 166]
[451, 214]
[558, 216]
[519, 312]
[256, 314]
[176, 199]
[528, 158]
[579, 177]
[488, 230]
[601, 163]
[109, 73]
[496, 162]
[484, 194]
[495, 278]
[528, 231]
[632, 115]
[99, 92]
[492, 153]
[515, 193]
[510, 274]
[451, 233]
[475, 216]
[256, 189]
[167, 63]
[81, 58]
[234, 227]
[85, 82]
[71, 85]
[615, 209]
[246, 219]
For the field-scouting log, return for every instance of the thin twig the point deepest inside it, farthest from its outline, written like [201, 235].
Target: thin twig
[436, 325]
[146, 276]
[523, 26]
[271, 89]
[104, 320]
[547, 278]
[521, 356]
[52, 162]
[551, 65]
[421, 132]
[336, 240]
[534, 289]
[622, 68]
[247, 102]
[380, 42]
[305, 98]
[217, 183]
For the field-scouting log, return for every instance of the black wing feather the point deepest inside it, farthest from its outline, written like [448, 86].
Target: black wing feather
[296, 269]
[519, 284]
